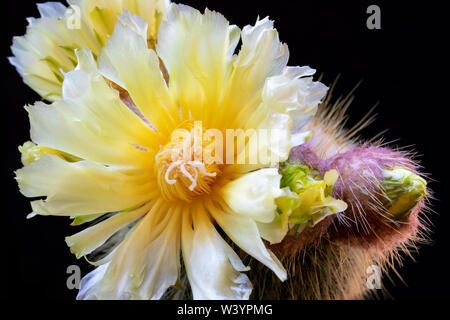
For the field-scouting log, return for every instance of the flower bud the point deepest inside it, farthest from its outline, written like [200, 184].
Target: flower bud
[404, 189]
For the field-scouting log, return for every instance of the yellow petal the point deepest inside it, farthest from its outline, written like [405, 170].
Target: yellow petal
[89, 239]
[47, 50]
[330, 177]
[101, 15]
[81, 187]
[195, 50]
[91, 122]
[31, 152]
[127, 61]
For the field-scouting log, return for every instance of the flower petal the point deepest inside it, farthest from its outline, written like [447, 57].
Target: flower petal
[101, 15]
[89, 239]
[244, 232]
[46, 51]
[144, 265]
[90, 282]
[91, 122]
[288, 102]
[195, 49]
[253, 194]
[262, 55]
[274, 232]
[289, 92]
[127, 61]
[153, 12]
[51, 9]
[81, 187]
[213, 268]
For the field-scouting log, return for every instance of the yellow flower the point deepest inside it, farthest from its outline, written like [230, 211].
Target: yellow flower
[47, 51]
[133, 160]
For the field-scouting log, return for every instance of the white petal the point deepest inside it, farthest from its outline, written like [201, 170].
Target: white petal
[253, 195]
[212, 266]
[273, 232]
[235, 36]
[144, 265]
[90, 281]
[51, 9]
[136, 23]
[58, 126]
[101, 15]
[262, 55]
[276, 145]
[262, 50]
[244, 232]
[86, 241]
[290, 92]
[35, 72]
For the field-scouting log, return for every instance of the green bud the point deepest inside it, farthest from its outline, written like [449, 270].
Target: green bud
[404, 189]
[298, 177]
[307, 199]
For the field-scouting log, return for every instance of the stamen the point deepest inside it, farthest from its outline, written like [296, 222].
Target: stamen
[169, 169]
[164, 152]
[176, 163]
[188, 175]
[201, 166]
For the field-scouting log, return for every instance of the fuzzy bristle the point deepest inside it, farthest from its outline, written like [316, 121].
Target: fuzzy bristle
[367, 222]
[330, 135]
[328, 270]
[330, 261]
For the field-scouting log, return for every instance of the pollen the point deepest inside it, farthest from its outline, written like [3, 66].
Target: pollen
[180, 169]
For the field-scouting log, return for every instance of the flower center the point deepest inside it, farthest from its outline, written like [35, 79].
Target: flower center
[181, 172]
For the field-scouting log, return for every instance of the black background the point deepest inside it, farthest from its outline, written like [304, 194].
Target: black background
[400, 66]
